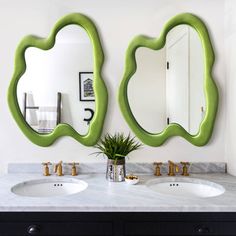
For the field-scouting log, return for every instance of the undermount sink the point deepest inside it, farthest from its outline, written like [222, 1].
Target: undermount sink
[51, 187]
[185, 187]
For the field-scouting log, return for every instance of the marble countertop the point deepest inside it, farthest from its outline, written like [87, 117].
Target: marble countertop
[104, 196]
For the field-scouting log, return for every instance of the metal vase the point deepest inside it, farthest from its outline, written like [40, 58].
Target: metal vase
[115, 170]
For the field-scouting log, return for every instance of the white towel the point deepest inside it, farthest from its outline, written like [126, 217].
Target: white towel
[47, 119]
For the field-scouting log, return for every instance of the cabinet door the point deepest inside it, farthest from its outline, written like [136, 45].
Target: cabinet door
[158, 228]
[56, 228]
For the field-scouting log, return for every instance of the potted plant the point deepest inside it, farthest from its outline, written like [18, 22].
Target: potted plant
[116, 148]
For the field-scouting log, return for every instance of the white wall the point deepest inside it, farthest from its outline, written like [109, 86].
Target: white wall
[230, 49]
[117, 22]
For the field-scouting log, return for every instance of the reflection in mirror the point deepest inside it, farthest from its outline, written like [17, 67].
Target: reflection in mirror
[57, 86]
[168, 86]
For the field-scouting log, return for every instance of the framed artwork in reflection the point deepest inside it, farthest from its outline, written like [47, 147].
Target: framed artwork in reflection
[86, 92]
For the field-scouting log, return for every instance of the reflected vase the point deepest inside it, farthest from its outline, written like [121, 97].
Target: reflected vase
[115, 170]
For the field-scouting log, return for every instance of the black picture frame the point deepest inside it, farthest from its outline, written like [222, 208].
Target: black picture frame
[86, 94]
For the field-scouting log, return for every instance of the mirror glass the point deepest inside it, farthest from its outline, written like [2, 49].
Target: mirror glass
[168, 86]
[57, 86]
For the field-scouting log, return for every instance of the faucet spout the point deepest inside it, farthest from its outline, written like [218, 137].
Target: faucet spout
[58, 169]
[173, 168]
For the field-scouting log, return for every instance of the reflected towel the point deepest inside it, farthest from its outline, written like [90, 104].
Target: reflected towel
[47, 119]
[31, 114]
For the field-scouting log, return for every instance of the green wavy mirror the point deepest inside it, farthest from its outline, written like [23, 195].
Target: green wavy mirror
[167, 88]
[57, 87]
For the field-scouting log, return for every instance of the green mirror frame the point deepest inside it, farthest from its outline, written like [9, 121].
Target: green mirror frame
[210, 88]
[100, 90]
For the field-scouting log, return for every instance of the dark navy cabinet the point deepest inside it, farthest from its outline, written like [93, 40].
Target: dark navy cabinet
[117, 224]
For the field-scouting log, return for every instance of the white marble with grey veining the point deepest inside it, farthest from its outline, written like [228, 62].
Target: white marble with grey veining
[144, 168]
[195, 167]
[103, 196]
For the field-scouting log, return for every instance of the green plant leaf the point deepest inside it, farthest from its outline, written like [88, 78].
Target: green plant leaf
[117, 146]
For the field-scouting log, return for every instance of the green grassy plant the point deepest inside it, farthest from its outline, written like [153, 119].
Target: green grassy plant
[117, 146]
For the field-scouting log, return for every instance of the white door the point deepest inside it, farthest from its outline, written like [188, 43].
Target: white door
[177, 76]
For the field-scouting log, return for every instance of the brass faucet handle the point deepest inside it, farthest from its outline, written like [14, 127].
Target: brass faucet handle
[158, 168]
[46, 163]
[185, 168]
[184, 163]
[46, 169]
[73, 169]
[157, 163]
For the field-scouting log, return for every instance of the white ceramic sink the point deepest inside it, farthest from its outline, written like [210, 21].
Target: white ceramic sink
[185, 187]
[50, 187]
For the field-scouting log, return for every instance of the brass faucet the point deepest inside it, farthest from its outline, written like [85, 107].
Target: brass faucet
[185, 168]
[58, 169]
[158, 168]
[73, 169]
[46, 168]
[172, 168]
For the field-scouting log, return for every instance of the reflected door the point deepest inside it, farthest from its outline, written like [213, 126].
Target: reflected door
[161, 93]
[177, 77]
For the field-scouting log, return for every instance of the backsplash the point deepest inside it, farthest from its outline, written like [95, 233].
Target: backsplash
[141, 168]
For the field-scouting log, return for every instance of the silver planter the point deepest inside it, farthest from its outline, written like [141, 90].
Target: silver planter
[115, 170]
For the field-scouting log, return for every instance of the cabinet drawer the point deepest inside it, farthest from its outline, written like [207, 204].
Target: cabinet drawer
[179, 228]
[56, 228]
